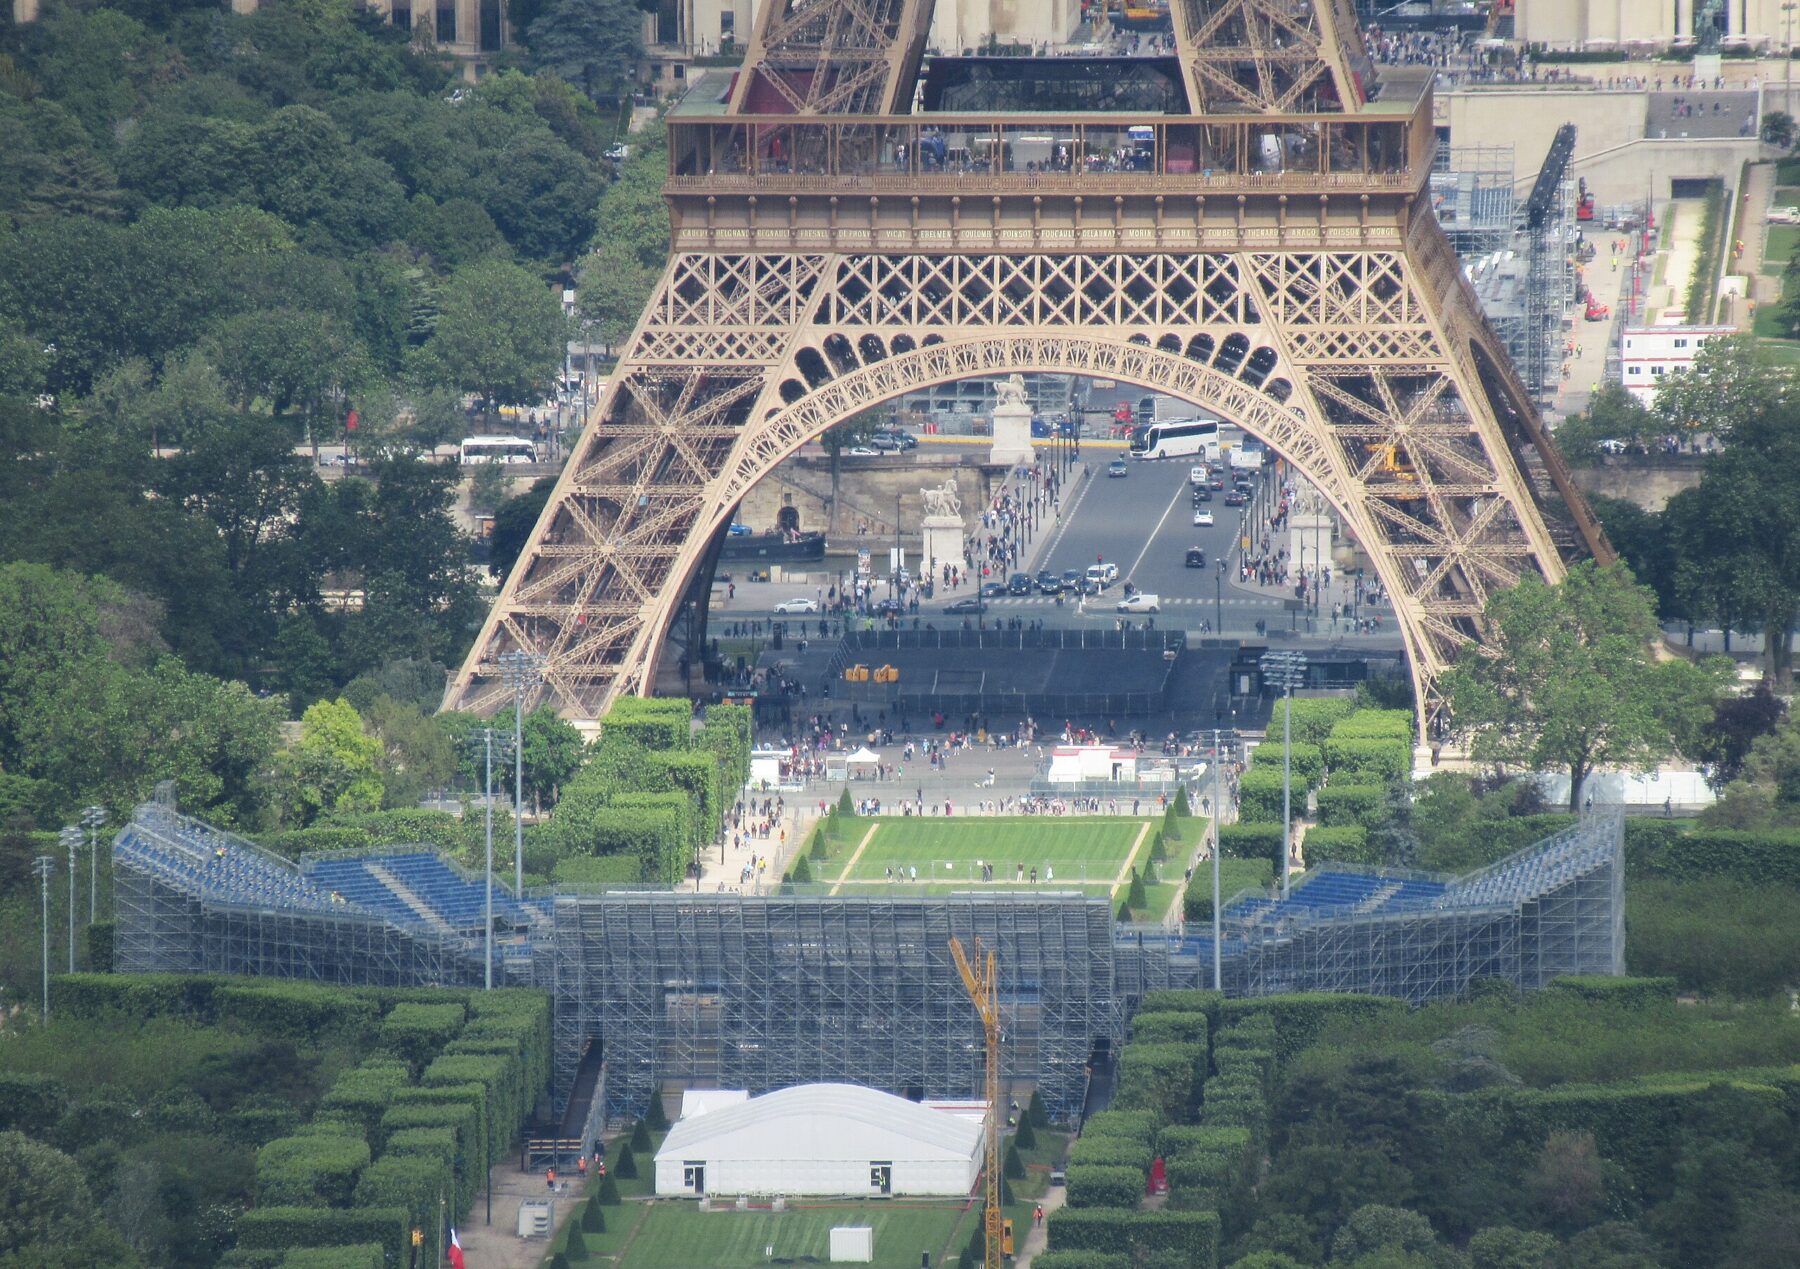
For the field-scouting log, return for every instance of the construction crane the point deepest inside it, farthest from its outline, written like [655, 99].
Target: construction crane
[981, 979]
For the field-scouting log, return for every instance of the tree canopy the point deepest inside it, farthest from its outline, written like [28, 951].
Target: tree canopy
[1568, 682]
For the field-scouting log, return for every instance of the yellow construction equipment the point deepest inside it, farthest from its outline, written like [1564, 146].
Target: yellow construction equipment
[981, 978]
[857, 674]
[887, 674]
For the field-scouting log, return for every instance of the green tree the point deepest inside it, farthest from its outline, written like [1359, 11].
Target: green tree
[43, 1199]
[553, 754]
[514, 521]
[1778, 128]
[1567, 680]
[592, 44]
[500, 332]
[1503, 1247]
[334, 766]
[1613, 414]
[1376, 1227]
[1732, 385]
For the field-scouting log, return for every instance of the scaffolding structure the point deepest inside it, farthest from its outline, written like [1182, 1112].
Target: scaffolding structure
[761, 993]
[1472, 196]
[737, 991]
[1550, 233]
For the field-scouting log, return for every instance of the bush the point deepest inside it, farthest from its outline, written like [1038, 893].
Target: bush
[1035, 1112]
[496, 1076]
[1259, 1064]
[472, 1127]
[1096, 1185]
[1631, 993]
[364, 1093]
[1169, 1028]
[598, 870]
[1306, 762]
[1344, 804]
[1081, 1260]
[1715, 936]
[608, 1194]
[1161, 1078]
[626, 1166]
[1375, 724]
[1192, 1237]
[1253, 841]
[415, 1033]
[302, 1012]
[593, 1216]
[281, 1228]
[655, 1116]
[1132, 1125]
[1314, 717]
[107, 997]
[640, 1136]
[1346, 844]
[309, 1171]
[1013, 1167]
[31, 1104]
[1299, 1018]
[1112, 1152]
[1188, 1141]
[357, 1256]
[1762, 858]
[438, 1145]
[574, 1243]
[417, 1183]
[1184, 1000]
[1260, 794]
[1353, 761]
[801, 871]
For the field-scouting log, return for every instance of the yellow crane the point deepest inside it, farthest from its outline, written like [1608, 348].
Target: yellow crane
[981, 979]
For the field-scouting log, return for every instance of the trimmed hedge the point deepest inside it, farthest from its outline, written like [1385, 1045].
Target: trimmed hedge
[1299, 1018]
[1358, 761]
[1184, 1000]
[416, 1033]
[364, 1093]
[598, 870]
[471, 1126]
[1346, 804]
[1314, 716]
[1187, 1141]
[1102, 1185]
[497, 1074]
[1259, 796]
[1132, 1125]
[1633, 993]
[1081, 1260]
[1375, 724]
[1162, 1078]
[418, 1183]
[521, 1014]
[653, 722]
[1112, 1152]
[1192, 1237]
[302, 1012]
[1256, 1063]
[439, 1145]
[1307, 762]
[1253, 841]
[1169, 1028]
[282, 1228]
[1345, 844]
[357, 1256]
[310, 1170]
[1764, 858]
[140, 996]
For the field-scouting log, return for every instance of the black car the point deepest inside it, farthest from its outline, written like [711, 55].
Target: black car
[1236, 498]
[1196, 557]
[1018, 584]
[890, 608]
[1202, 494]
[960, 607]
[993, 590]
[1072, 579]
[1049, 583]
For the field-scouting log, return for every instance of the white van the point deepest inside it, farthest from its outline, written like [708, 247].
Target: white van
[1102, 575]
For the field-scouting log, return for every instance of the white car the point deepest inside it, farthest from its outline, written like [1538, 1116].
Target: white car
[863, 451]
[1143, 601]
[797, 605]
[1203, 518]
[1196, 475]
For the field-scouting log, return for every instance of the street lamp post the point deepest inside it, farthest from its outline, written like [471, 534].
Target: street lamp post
[487, 737]
[43, 866]
[71, 838]
[1218, 813]
[522, 669]
[92, 819]
[1286, 670]
[1219, 596]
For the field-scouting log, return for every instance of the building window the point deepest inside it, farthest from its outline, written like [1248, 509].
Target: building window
[881, 1178]
[1681, 343]
[693, 1175]
[1635, 370]
[1656, 370]
[446, 24]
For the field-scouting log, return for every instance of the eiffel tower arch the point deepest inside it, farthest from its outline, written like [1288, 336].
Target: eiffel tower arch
[1263, 248]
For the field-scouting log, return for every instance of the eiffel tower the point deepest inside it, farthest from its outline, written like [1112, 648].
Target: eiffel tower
[1260, 243]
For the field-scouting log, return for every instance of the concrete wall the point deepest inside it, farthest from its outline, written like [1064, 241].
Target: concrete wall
[1574, 22]
[1620, 163]
[966, 24]
[1649, 484]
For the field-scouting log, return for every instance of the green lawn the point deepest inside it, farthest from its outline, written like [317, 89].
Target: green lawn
[1078, 850]
[676, 1234]
[1778, 248]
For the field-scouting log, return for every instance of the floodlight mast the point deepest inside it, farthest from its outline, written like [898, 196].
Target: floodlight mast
[982, 981]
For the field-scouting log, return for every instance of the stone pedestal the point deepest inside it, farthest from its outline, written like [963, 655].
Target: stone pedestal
[1309, 539]
[941, 544]
[1012, 434]
[1707, 67]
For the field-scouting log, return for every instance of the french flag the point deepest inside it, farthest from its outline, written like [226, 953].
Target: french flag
[455, 1250]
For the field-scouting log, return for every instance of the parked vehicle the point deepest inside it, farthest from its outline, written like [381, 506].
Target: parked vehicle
[800, 605]
[1143, 601]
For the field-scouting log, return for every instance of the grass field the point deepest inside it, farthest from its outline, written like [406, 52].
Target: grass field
[1778, 247]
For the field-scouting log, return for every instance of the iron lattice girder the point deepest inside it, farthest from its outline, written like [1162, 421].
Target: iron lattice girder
[1268, 55]
[1289, 344]
[836, 56]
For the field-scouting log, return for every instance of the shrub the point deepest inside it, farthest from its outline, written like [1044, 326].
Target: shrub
[1035, 1112]
[574, 1243]
[1716, 936]
[845, 806]
[1354, 761]
[1306, 763]
[1187, 1141]
[1095, 1185]
[801, 871]
[1632, 993]
[1133, 1125]
[31, 1104]
[356, 1256]
[415, 1033]
[608, 1193]
[364, 1093]
[281, 1228]
[1346, 844]
[302, 1012]
[1259, 796]
[1169, 1027]
[640, 1136]
[655, 1116]
[1161, 1078]
[474, 1132]
[417, 1183]
[438, 1145]
[1299, 1018]
[1762, 858]
[140, 996]
[1375, 724]
[626, 1166]
[497, 1076]
[1256, 1063]
[1254, 841]
[1184, 1000]
[1192, 1237]
[1344, 804]
[593, 1216]
[598, 870]
[308, 1171]
[1081, 1260]
[1314, 716]
[1111, 1152]
[1013, 1166]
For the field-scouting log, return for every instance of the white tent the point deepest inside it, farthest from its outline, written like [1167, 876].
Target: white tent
[863, 757]
[837, 1139]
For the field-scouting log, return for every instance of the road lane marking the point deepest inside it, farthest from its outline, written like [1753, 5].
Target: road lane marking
[1151, 540]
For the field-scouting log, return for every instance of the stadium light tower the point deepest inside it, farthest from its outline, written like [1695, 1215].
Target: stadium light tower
[1286, 670]
[92, 819]
[1218, 813]
[522, 670]
[43, 866]
[488, 739]
[71, 837]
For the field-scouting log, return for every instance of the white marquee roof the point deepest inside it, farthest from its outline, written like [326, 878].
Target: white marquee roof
[822, 1121]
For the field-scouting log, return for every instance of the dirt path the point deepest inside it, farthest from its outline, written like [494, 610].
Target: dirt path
[850, 864]
[1125, 868]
